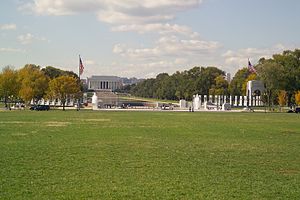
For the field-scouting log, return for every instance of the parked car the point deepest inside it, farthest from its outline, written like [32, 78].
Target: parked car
[297, 110]
[40, 107]
[290, 111]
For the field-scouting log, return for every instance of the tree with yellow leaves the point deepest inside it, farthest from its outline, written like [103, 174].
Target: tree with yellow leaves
[33, 83]
[63, 87]
[9, 86]
[282, 98]
[297, 97]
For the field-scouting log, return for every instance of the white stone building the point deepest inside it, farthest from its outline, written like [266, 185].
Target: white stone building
[104, 83]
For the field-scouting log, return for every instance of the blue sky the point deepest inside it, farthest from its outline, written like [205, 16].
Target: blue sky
[142, 38]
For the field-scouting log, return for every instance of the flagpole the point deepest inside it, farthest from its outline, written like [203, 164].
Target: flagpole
[79, 68]
[78, 100]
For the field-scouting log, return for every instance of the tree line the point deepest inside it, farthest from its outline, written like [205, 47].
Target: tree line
[280, 74]
[34, 83]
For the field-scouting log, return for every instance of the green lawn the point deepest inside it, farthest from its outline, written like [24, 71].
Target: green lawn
[149, 155]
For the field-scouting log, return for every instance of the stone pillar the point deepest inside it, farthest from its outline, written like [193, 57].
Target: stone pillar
[205, 98]
[235, 101]
[241, 101]
[182, 104]
[210, 98]
[230, 100]
[196, 102]
[200, 100]
[249, 100]
[245, 101]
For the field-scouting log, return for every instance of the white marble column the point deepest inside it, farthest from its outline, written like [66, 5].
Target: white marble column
[210, 98]
[235, 101]
[241, 101]
[245, 101]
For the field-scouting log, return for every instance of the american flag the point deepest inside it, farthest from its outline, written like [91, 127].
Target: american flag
[81, 67]
[251, 68]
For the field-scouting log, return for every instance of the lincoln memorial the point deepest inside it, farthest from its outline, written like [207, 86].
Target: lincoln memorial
[104, 83]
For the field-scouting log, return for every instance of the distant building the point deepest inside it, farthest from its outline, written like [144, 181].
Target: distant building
[228, 77]
[104, 83]
[131, 81]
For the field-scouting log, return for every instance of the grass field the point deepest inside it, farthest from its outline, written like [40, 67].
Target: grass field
[149, 155]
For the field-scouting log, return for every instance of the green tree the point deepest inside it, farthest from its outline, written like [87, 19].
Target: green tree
[63, 87]
[168, 88]
[144, 88]
[206, 79]
[159, 85]
[9, 86]
[53, 72]
[271, 73]
[220, 87]
[179, 85]
[237, 85]
[290, 60]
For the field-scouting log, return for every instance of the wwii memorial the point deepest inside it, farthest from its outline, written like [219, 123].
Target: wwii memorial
[146, 99]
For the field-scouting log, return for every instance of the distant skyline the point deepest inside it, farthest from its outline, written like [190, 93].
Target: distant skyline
[142, 38]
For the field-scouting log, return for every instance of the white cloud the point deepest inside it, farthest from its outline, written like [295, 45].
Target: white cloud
[175, 48]
[11, 50]
[170, 53]
[114, 11]
[119, 48]
[160, 28]
[239, 57]
[89, 62]
[8, 27]
[116, 17]
[26, 39]
[47, 7]
[169, 47]
[29, 38]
